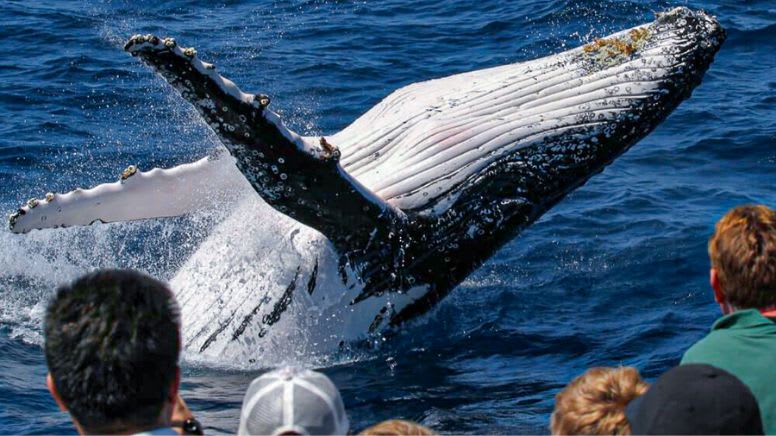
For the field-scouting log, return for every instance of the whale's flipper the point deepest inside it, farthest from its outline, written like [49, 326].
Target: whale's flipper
[137, 195]
[297, 176]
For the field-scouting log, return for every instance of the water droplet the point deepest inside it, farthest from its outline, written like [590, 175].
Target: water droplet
[391, 364]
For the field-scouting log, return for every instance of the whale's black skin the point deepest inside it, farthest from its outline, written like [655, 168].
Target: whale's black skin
[394, 249]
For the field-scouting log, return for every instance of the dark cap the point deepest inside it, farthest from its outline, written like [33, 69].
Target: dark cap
[696, 399]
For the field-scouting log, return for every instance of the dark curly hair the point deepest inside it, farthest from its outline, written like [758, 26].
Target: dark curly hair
[112, 346]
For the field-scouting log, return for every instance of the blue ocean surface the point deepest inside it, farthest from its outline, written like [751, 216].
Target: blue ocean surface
[616, 274]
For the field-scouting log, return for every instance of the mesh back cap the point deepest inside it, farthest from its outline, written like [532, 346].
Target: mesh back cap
[293, 400]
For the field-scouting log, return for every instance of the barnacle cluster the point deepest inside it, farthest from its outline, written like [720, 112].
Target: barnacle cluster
[263, 99]
[613, 47]
[639, 35]
[128, 172]
[612, 51]
[14, 217]
[332, 152]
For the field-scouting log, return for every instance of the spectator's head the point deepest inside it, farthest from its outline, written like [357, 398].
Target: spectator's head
[594, 402]
[696, 399]
[743, 259]
[397, 427]
[290, 401]
[112, 346]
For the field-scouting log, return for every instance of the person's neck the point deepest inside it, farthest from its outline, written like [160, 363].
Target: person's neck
[123, 428]
[769, 312]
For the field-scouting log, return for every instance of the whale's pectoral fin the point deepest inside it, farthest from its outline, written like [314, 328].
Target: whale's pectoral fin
[136, 195]
[297, 176]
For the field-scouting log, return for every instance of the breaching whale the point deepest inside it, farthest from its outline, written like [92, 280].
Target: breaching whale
[364, 229]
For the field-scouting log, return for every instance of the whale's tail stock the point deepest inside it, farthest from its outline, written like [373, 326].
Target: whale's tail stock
[436, 177]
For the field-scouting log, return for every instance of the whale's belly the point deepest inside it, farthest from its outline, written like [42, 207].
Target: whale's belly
[262, 286]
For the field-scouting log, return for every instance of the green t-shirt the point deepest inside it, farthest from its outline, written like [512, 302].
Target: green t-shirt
[743, 343]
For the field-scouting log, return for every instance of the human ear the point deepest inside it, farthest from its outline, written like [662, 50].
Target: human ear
[175, 386]
[54, 393]
[719, 294]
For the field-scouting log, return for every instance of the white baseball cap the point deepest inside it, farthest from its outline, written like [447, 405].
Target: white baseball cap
[291, 400]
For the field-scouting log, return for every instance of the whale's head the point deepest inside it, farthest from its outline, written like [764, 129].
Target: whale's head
[632, 80]
[539, 129]
[674, 50]
[593, 102]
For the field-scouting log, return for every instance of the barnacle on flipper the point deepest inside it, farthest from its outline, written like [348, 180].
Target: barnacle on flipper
[128, 172]
[262, 99]
[331, 151]
[12, 218]
[612, 51]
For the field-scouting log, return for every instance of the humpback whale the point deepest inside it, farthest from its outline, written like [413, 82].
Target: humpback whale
[342, 236]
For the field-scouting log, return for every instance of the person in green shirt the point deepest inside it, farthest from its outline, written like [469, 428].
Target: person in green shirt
[743, 277]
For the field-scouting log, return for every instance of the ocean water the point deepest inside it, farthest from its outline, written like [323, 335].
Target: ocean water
[614, 275]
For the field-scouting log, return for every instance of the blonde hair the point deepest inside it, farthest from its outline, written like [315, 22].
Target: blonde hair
[396, 427]
[743, 251]
[594, 403]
